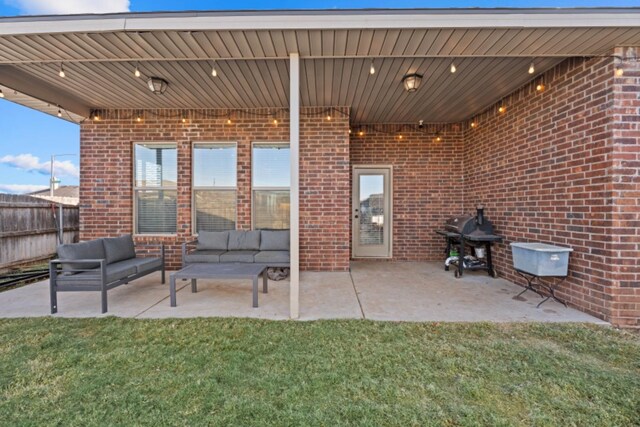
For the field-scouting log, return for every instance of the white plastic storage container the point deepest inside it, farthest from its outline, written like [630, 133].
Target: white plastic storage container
[541, 259]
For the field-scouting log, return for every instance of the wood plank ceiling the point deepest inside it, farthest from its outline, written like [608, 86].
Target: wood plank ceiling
[253, 68]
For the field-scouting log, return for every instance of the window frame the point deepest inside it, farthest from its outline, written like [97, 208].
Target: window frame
[161, 188]
[194, 229]
[254, 188]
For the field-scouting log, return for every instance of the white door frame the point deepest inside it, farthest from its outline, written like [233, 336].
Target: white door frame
[356, 204]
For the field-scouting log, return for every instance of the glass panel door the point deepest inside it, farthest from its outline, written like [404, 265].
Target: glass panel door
[371, 212]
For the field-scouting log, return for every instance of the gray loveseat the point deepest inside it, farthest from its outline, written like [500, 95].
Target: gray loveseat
[268, 247]
[99, 265]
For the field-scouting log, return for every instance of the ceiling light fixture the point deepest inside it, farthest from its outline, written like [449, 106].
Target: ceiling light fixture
[412, 82]
[214, 71]
[137, 71]
[157, 85]
[61, 72]
[532, 69]
[372, 69]
[453, 68]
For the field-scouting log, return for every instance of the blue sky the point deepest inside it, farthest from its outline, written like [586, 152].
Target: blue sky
[28, 138]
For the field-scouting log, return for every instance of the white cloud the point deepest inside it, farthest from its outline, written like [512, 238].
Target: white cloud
[31, 163]
[60, 7]
[21, 188]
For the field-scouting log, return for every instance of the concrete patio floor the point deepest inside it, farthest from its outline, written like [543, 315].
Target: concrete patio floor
[398, 291]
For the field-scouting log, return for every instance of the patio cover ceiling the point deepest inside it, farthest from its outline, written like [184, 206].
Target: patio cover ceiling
[491, 48]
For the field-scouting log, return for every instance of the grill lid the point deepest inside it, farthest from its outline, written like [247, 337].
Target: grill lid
[469, 225]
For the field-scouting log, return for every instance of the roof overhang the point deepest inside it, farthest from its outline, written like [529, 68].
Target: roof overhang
[492, 49]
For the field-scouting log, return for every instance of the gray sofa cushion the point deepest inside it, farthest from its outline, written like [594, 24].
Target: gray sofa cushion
[275, 257]
[244, 240]
[238, 256]
[92, 249]
[213, 240]
[119, 248]
[276, 240]
[203, 256]
[142, 265]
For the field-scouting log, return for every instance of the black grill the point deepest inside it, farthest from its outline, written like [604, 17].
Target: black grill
[474, 231]
[475, 228]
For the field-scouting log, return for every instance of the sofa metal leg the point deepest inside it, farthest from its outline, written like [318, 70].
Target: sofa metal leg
[104, 301]
[163, 280]
[54, 298]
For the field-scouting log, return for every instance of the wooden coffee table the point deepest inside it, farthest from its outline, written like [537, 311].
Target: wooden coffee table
[219, 271]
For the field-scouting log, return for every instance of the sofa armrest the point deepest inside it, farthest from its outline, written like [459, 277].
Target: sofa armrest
[185, 248]
[55, 266]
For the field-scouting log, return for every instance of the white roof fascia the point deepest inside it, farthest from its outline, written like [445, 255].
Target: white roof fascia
[315, 21]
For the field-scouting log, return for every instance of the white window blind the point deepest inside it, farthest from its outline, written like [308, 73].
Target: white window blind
[271, 183]
[214, 186]
[155, 188]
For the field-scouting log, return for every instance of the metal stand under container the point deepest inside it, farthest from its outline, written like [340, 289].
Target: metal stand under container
[533, 261]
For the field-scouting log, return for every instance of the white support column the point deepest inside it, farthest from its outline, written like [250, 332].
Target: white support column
[294, 145]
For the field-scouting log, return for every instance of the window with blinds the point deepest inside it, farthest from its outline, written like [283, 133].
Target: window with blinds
[214, 186]
[155, 188]
[271, 183]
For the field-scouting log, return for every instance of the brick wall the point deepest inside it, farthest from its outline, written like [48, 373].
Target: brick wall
[106, 174]
[625, 173]
[561, 167]
[427, 182]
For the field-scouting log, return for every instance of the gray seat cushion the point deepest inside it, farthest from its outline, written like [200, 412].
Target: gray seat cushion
[244, 240]
[238, 256]
[276, 257]
[92, 249]
[116, 271]
[203, 256]
[119, 248]
[213, 240]
[274, 240]
[142, 265]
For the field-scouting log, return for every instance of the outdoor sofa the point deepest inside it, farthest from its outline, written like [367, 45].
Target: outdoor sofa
[268, 247]
[99, 265]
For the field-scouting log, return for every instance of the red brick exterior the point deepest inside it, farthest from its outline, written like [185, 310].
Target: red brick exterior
[625, 233]
[561, 167]
[428, 181]
[106, 172]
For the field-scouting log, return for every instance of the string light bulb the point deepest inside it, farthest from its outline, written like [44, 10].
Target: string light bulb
[474, 124]
[328, 117]
[1, 94]
[184, 120]
[96, 117]
[229, 120]
[138, 118]
[214, 71]
[61, 73]
[372, 69]
[438, 137]
[361, 133]
[532, 69]
[502, 109]
[619, 71]
[540, 87]
[59, 112]
[453, 68]
[136, 72]
[400, 136]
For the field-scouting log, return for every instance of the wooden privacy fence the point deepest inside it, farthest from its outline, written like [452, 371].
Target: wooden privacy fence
[29, 229]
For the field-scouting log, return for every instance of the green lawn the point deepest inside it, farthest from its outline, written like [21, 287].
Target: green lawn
[248, 372]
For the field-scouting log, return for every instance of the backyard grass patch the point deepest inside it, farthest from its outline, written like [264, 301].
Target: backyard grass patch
[113, 371]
